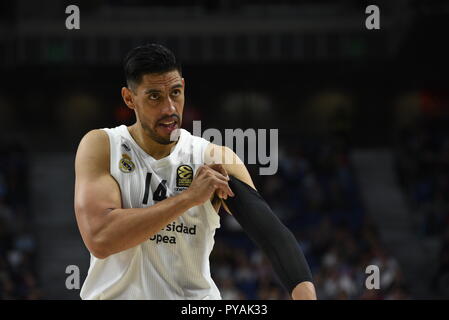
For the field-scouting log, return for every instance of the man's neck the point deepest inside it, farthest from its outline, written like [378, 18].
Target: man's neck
[151, 147]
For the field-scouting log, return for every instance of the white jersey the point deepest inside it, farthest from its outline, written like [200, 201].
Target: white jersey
[174, 263]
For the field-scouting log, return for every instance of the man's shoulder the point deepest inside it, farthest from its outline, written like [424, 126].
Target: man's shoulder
[188, 139]
[101, 136]
[94, 143]
[93, 152]
[95, 137]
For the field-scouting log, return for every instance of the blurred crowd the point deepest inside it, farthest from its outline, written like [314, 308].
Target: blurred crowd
[423, 169]
[315, 194]
[18, 276]
[422, 163]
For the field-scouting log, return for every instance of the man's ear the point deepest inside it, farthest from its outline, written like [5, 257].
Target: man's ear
[127, 96]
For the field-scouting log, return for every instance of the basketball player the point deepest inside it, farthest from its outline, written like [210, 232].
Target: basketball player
[143, 198]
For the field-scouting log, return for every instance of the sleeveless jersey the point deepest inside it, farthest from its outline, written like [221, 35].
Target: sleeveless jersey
[174, 263]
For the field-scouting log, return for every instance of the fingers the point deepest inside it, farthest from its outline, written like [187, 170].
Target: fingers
[200, 170]
[220, 171]
[219, 168]
[221, 178]
[223, 188]
[206, 170]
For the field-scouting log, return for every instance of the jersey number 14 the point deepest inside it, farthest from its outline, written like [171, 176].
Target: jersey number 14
[159, 194]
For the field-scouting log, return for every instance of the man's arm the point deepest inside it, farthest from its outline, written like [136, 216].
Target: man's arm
[105, 226]
[233, 166]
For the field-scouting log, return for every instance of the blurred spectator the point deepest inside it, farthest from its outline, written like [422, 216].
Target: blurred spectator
[17, 244]
[422, 162]
[440, 281]
[316, 196]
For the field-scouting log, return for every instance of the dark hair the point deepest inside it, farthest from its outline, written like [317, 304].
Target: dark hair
[149, 58]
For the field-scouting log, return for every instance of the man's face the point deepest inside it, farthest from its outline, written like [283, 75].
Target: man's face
[158, 101]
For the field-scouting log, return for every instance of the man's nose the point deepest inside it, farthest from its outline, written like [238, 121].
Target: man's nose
[169, 106]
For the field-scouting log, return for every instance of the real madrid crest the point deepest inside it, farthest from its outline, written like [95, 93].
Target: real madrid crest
[125, 164]
[184, 176]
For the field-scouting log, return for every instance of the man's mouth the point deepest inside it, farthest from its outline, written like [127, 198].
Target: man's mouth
[168, 125]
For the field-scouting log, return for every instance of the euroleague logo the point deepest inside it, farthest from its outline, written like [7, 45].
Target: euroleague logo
[184, 176]
[125, 164]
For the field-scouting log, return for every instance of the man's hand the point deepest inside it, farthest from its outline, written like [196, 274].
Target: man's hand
[208, 180]
[304, 291]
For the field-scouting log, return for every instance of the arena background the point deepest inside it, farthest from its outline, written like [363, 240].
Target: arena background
[363, 129]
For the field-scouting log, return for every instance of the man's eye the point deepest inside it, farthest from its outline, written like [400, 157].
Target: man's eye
[154, 96]
[176, 93]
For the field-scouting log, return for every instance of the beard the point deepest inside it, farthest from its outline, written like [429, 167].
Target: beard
[152, 133]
